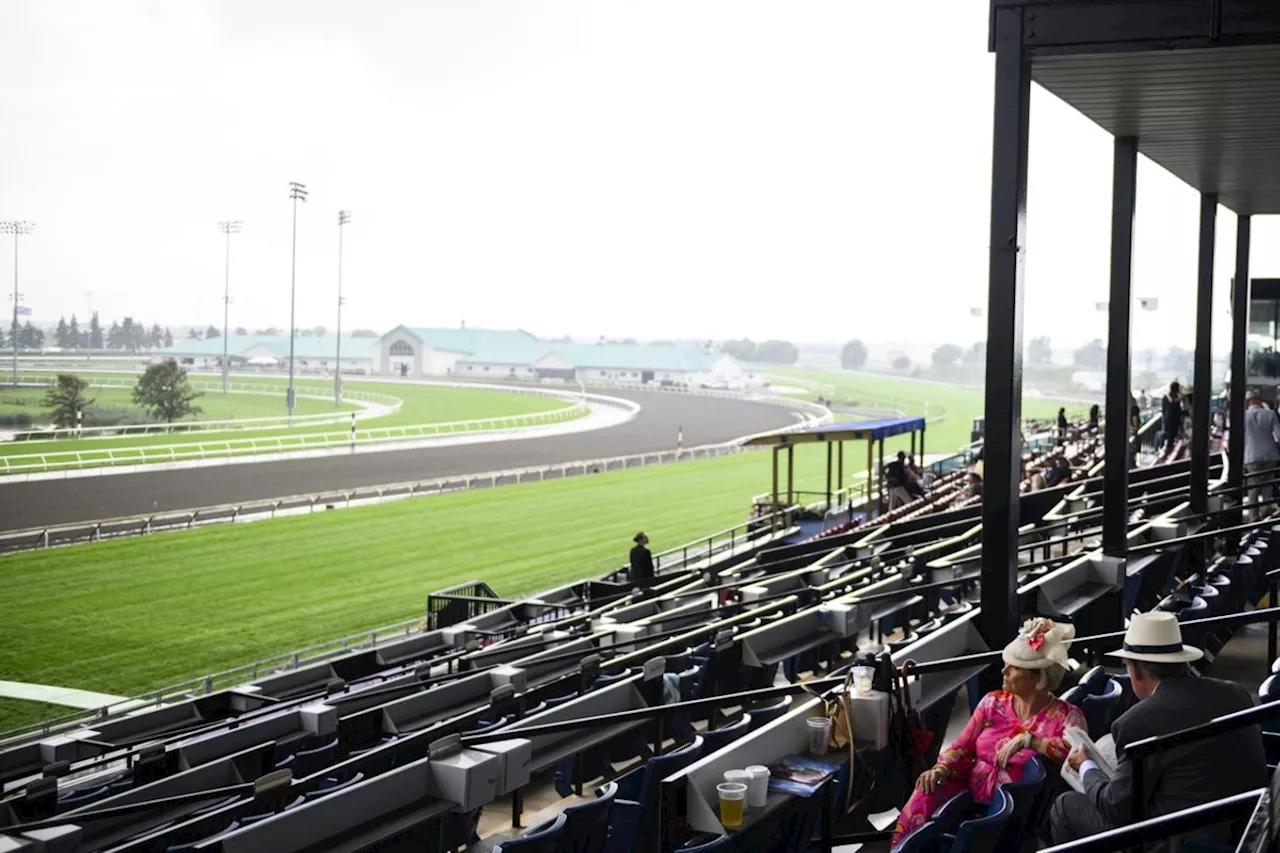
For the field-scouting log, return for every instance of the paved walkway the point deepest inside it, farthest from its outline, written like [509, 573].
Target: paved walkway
[56, 695]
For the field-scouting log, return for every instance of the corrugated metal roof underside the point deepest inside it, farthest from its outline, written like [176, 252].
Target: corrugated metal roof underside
[1211, 117]
[853, 431]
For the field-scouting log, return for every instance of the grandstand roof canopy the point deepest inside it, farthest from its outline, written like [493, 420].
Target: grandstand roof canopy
[853, 431]
[1196, 87]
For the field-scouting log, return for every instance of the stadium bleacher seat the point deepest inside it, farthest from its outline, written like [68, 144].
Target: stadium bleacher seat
[546, 839]
[636, 802]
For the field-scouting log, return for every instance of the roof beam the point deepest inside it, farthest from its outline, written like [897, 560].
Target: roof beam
[1098, 26]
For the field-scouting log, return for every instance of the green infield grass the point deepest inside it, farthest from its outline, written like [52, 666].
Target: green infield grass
[422, 404]
[131, 615]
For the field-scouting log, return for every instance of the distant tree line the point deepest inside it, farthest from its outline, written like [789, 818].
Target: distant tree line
[765, 352]
[126, 334]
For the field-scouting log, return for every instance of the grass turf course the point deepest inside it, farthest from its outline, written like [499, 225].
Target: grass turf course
[132, 615]
[423, 404]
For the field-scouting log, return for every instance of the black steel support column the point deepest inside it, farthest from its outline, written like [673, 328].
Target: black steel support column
[828, 475]
[1002, 445]
[1115, 513]
[1239, 369]
[1202, 380]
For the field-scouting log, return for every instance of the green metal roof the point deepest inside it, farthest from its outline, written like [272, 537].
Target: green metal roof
[239, 345]
[466, 340]
[598, 356]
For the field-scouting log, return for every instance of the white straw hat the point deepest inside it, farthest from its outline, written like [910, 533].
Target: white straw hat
[1040, 644]
[1156, 637]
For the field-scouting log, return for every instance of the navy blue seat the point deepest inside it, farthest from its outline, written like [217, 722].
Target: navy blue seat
[544, 839]
[587, 826]
[1269, 691]
[559, 700]
[83, 796]
[188, 847]
[983, 834]
[332, 785]
[635, 806]
[761, 717]
[1094, 681]
[720, 844]
[923, 839]
[953, 812]
[1075, 696]
[308, 761]
[604, 680]
[489, 725]
[1029, 795]
[1100, 709]
[713, 740]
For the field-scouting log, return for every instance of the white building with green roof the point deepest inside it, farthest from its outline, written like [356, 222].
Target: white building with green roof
[312, 354]
[413, 351]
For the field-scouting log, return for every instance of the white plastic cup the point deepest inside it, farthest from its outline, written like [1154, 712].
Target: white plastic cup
[758, 787]
[819, 735]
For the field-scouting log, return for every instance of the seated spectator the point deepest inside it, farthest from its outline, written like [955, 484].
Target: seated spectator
[974, 489]
[1058, 473]
[1170, 698]
[1007, 729]
[901, 487]
[1038, 482]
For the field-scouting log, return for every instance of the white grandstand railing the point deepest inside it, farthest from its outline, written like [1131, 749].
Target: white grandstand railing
[386, 404]
[27, 463]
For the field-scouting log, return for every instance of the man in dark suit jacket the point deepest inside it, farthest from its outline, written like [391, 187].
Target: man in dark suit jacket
[1171, 698]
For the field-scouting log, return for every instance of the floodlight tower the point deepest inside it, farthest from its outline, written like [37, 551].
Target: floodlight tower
[231, 226]
[16, 227]
[344, 217]
[297, 192]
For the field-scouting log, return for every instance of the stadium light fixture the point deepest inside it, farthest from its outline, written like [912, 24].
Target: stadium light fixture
[344, 217]
[231, 226]
[17, 228]
[297, 192]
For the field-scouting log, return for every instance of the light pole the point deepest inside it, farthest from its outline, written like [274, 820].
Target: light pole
[344, 216]
[297, 192]
[16, 228]
[231, 226]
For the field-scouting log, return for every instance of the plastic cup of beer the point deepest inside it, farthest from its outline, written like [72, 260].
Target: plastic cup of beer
[819, 735]
[733, 799]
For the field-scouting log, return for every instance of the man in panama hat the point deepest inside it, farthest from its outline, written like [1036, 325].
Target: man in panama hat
[1171, 697]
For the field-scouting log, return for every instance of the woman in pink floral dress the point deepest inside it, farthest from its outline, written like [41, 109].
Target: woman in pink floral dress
[1007, 729]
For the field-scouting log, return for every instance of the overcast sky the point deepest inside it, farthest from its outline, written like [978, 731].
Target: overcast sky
[694, 168]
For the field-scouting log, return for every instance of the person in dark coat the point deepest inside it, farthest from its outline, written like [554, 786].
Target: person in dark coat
[1063, 425]
[1171, 697]
[641, 562]
[1171, 415]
